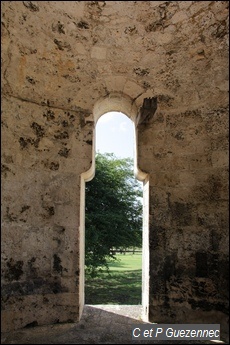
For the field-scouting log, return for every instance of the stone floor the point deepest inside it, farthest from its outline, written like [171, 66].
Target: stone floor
[100, 324]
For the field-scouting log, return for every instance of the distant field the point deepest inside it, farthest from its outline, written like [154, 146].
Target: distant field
[121, 286]
[127, 262]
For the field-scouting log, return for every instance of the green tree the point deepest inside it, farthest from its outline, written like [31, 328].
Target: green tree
[113, 217]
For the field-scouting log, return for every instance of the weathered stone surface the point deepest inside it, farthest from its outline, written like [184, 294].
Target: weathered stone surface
[64, 64]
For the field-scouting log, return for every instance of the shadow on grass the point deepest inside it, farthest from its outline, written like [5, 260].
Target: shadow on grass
[114, 288]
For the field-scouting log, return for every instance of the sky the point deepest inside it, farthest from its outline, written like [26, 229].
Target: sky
[115, 133]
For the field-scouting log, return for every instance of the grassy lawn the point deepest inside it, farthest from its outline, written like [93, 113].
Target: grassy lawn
[121, 286]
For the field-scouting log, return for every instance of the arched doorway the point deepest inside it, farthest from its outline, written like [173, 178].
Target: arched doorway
[113, 217]
[118, 103]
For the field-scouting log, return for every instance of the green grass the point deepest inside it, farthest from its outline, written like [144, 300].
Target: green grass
[121, 286]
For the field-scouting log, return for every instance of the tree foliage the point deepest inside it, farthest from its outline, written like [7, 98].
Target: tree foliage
[113, 214]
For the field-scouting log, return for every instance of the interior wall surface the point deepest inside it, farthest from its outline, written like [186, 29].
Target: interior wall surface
[45, 152]
[188, 231]
[59, 59]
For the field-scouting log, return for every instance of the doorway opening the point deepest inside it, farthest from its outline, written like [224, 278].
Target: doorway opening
[124, 105]
[113, 217]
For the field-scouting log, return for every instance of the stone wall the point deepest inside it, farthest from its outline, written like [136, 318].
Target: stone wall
[45, 152]
[60, 59]
[188, 159]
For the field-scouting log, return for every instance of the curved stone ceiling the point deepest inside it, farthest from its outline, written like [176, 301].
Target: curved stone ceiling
[69, 54]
